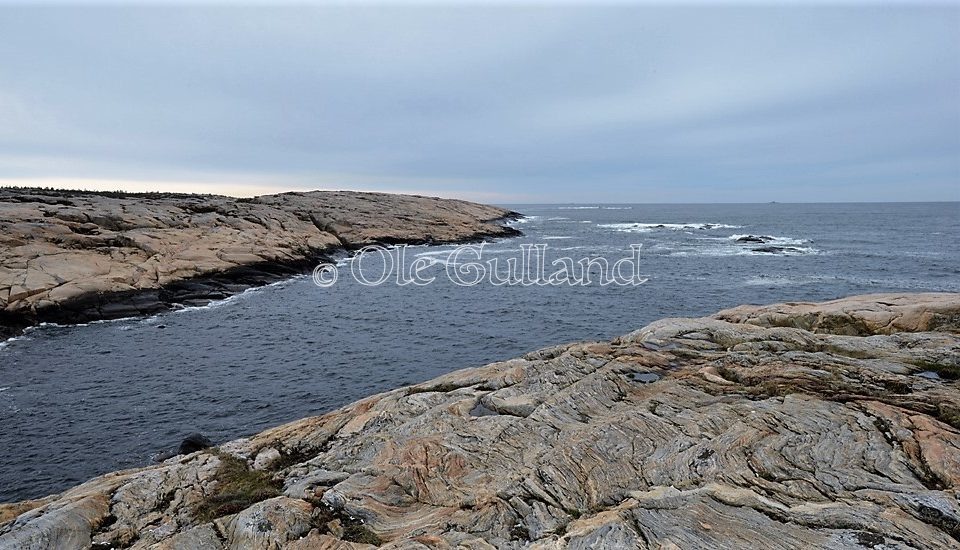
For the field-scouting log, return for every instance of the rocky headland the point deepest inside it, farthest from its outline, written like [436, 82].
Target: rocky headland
[832, 425]
[68, 256]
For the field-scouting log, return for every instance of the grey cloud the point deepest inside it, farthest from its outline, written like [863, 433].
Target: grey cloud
[576, 104]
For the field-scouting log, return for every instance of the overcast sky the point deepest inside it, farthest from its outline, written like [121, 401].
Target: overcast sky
[501, 104]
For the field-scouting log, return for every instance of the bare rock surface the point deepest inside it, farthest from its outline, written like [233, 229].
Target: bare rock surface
[860, 315]
[725, 432]
[73, 256]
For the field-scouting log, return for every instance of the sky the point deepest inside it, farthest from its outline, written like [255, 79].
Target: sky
[502, 104]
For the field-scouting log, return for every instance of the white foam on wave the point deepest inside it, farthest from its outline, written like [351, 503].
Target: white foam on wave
[26, 334]
[770, 240]
[468, 255]
[557, 219]
[524, 219]
[232, 298]
[437, 261]
[46, 324]
[593, 248]
[778, 280]
[117, 320]
[745, 251]
[782, 280]
[638, 227]
[711, 252]
[495, 251]
[215, 303]
[555, 238]
[212, 305]
[617, 208]
[151, 319]
[578, 208]
[445, 251]
[9, 341]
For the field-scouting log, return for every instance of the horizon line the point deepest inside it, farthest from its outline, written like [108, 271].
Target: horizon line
[9, 186]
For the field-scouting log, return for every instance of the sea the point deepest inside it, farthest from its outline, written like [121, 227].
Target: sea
[80, 401]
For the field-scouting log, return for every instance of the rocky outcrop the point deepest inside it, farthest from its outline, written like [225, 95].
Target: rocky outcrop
[856, 316]
[73, 256]
[756, 239]
[830, 425]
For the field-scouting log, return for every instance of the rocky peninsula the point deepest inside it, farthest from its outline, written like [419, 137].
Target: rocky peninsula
[830, 425]
[71, 256]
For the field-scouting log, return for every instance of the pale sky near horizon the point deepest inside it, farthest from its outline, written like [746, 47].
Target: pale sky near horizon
[505, 103]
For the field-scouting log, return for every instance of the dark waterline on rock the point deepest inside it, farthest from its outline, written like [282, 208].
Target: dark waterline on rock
[80, 401]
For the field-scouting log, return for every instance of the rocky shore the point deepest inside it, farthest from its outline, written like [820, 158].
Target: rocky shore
[832, 425]
[69, 257]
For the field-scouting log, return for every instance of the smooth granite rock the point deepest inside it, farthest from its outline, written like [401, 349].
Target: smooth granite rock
[788, 426]
[70, 256]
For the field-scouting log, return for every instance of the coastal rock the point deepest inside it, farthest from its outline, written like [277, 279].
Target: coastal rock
[787, 426]
[858, 315]
[265, 458]
[71, 256]
[761, 239]
[775, 249]
[193, 443]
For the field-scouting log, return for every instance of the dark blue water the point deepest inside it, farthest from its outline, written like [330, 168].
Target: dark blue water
[80, 401]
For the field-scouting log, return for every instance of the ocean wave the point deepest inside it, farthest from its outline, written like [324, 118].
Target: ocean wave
[555, 237]
[46, 324]
[467, 254]
[214, 304]
[735, 250]
[525, 219]
[781, 280]
[592, 248]
[578, 208]
[104, 321]
[486, 251]
[888, 282]
[180, 308]
[23, 337]
[648, 227]
[617, 208]
[432, 261]
[434, 255]
[123, 322]
[557, 219]
[769, 239]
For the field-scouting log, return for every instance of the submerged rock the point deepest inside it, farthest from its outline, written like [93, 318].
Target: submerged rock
[776, 249]
[796, 425]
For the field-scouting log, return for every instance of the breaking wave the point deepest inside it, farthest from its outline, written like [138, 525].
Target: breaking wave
[649, 227]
